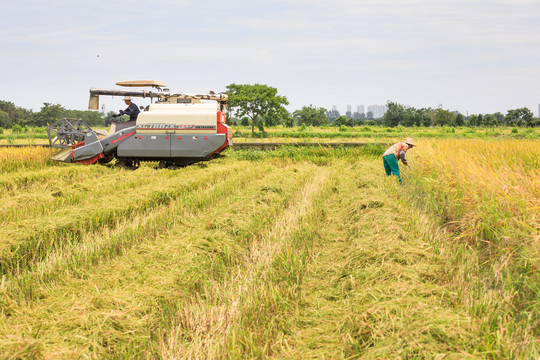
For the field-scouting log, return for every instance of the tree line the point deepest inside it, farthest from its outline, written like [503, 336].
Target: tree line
[398, 114]
[260, 105]
[11, 115]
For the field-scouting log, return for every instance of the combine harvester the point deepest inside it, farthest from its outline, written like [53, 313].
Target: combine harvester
[177, 130]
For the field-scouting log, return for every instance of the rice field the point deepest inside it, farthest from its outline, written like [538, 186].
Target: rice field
[309, 134]
[293, 253]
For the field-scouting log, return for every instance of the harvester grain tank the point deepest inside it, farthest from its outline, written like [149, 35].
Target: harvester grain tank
[177, 129]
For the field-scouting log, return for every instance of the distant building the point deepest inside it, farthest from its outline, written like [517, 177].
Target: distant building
[349, 111]
[377, 110]
[333, 114]
[539, 110]
[360, 109]
[382, 110]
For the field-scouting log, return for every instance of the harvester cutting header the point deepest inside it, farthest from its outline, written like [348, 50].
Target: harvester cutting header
[176, 129]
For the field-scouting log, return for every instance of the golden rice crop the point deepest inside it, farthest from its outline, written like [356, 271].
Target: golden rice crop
[487, 193]
[494, 185]
[15, 158]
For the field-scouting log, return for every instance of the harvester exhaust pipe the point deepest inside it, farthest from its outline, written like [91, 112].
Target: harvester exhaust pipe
[93, 103]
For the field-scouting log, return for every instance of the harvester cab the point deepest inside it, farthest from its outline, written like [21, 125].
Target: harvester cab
[175, 129]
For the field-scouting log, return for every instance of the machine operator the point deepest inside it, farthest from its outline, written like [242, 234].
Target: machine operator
[132, 110]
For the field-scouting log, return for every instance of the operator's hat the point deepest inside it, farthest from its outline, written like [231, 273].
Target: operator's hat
[409, 141]
[127, 98]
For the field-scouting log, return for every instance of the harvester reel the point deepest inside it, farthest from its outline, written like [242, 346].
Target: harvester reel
[67, 132]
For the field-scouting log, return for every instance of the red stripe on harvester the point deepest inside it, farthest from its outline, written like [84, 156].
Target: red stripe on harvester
[123, 137]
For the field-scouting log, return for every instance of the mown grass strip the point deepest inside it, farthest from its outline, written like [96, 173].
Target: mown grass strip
[275, 286]
[37, 194]
[22, 247]
[99, 247]
[241, 310]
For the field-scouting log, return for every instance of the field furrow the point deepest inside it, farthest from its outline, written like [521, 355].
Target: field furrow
[242, 314]
[374, 287]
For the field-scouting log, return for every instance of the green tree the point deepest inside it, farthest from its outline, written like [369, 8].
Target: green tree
[481, 120]
[413, 117]
[311, 116]
[443, 117]
[15, 114]
[343, 121]
[394, 114]
[490, 120]
[428, 116]
[332, 115]
[5, 120]
[460, 121]
[92, 118]
[359, 118]
[273, 120]
[48, 114]
[473, 120]
[499, 117]
[289, 122]
[520, 117]
[256, 102]
[9, 108]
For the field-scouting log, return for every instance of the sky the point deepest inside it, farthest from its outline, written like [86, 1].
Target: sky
[470, 56]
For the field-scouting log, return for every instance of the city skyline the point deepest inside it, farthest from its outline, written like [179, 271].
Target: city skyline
[360, 109]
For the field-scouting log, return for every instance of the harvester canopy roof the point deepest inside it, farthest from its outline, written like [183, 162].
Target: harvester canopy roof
[141, 83]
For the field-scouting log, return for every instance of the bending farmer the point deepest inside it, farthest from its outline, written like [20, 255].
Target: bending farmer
[132, 110]
[395, 153]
